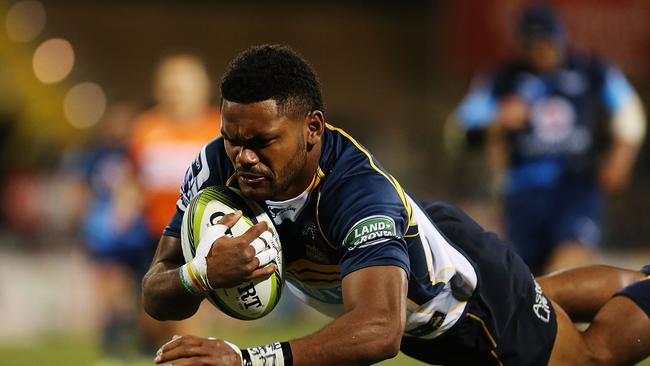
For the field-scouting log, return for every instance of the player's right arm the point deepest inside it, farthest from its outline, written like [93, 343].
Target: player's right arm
[628, 129]
[164, 296]
[230, 261]
[487, 117]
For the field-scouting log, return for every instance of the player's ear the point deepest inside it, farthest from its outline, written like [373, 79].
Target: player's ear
[315, 127]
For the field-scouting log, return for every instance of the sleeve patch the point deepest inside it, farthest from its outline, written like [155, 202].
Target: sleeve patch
[195, 177]
[369, 231]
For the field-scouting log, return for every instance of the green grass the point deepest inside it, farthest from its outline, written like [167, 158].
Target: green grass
[71, 350]
[51, 350]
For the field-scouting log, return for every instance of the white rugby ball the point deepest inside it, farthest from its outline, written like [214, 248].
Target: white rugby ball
[250, 300]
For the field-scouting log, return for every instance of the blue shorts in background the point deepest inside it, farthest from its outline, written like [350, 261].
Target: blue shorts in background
[538, 220]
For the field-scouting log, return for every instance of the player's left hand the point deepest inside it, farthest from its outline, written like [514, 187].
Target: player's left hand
[196, 351]
[513, 112]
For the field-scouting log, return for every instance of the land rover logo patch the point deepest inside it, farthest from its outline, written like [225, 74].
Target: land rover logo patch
[368, 230]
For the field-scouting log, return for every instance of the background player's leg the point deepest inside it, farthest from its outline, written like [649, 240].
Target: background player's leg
[581, 292]
[569, 254]
[574, 227]
[527, 217]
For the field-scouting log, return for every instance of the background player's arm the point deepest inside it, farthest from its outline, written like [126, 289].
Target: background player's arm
[496, 149]
[481, 112]
[617, 166]
[628, 128]
[475, 113]
[164, 296]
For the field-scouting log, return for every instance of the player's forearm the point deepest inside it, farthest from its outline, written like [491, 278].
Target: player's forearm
[617, 165]
[628, 131]
[164, 297]
[370, 330]
[353, 339]
[622, 156]
[497, 150]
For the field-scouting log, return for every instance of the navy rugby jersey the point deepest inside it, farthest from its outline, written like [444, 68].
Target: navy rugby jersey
[353, 215]
[558, 140]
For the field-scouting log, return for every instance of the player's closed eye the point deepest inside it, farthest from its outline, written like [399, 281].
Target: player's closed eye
[251, 144]
[256, 144]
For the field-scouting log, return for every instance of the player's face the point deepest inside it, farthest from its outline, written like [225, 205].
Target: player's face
[543, 54]
[268, 150]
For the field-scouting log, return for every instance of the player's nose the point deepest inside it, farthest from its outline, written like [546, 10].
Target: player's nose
[247, 157]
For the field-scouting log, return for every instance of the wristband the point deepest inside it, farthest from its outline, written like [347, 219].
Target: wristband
[235, 348]
[194, 274]
[273, 354]
[192, 281]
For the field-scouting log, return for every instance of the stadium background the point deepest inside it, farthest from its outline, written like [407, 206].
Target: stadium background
[391, 74]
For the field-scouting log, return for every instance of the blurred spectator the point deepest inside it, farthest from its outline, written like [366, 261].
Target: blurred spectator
[114, 231]
[164, 142]
[167, 137]
[538, 114]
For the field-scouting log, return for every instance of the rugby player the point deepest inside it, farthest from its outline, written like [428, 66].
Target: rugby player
[395, 273]
[539, 112]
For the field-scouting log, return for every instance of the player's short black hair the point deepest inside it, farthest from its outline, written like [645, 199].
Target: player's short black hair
[539, 21]
[273, 72]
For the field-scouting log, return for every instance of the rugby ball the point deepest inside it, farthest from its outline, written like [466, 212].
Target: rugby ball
[250, 300]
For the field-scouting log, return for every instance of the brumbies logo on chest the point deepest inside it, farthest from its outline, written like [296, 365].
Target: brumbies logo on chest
[367, 231]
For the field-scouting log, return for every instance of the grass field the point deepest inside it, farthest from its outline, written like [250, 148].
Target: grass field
[70, 350]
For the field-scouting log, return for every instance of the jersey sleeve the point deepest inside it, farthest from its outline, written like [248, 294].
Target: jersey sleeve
[366, 220]
[616, 91]
[479, 107]
[210, 167]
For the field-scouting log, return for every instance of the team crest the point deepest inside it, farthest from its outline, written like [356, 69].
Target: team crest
[553, 120]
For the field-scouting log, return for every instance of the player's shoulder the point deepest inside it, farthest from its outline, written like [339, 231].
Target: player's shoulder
[356, 195]
[587, 61]
[513, 66]
[210, 167]
[355, 179]
[504, 75]
[349, 165]
[213, 156]
[215, 148]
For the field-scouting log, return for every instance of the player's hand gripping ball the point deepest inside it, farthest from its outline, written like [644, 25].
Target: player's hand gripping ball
[249, 300]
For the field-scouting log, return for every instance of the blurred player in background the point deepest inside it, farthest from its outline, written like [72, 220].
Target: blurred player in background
[165, 140]
[114, 231]
[539, 115]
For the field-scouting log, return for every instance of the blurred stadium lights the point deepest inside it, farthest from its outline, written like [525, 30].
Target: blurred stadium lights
[84, 104]
[53, 60]
[25, 20]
